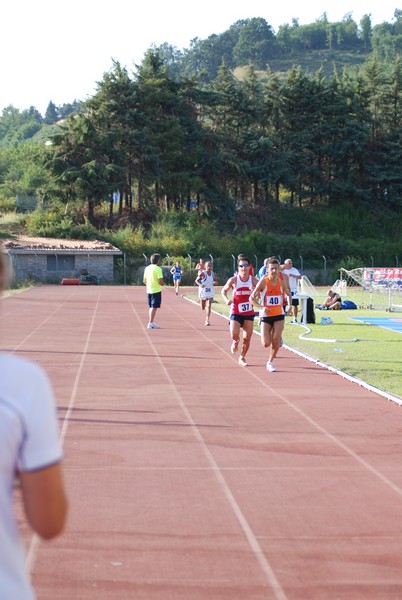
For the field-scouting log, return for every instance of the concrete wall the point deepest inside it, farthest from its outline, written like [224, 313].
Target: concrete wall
[31, 266]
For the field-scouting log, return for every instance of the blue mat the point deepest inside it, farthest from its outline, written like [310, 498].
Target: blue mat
[385, 322]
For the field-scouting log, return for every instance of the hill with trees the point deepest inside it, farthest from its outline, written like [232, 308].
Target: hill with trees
[247, 129]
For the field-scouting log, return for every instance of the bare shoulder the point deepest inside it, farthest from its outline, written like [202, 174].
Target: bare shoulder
[229, 283]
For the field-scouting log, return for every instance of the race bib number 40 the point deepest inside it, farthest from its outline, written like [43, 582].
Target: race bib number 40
[273, 300]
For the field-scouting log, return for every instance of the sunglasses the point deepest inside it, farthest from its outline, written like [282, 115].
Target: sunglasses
[243, 266]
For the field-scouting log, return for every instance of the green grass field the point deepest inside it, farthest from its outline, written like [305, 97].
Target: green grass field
[375, 358]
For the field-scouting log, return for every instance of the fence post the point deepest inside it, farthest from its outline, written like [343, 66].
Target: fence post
[146, 259]
[212, 258]
[190, 262]
[124, 269]
[372, 261]
[397, 261]
[234, 263]
[301, 263]
[168, 257]
[325, 268]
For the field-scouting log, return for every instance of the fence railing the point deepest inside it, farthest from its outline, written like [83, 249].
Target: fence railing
[325, 271]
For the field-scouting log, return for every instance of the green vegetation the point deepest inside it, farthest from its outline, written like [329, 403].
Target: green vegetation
[374, 358]
[184, 157]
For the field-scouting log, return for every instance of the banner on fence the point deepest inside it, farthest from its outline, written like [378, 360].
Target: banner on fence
[382, 276]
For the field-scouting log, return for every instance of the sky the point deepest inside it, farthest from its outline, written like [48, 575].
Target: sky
[58, 51]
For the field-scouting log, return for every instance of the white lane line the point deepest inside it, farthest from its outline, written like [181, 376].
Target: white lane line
[35, 540]
[396, 488]
[247, 530]
[26, 338]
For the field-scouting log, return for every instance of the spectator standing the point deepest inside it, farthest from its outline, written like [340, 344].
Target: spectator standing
[153, 279]
[293, 277]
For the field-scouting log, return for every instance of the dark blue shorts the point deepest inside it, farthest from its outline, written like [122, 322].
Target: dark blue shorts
[155, 300]
[241, 318]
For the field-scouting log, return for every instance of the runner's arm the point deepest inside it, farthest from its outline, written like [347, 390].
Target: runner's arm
[44, 499]
[228, 286]
[255, 294]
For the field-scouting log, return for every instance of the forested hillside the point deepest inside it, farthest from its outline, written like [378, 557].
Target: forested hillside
[237, 129]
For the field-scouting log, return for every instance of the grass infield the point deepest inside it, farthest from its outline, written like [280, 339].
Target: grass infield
[375, 358]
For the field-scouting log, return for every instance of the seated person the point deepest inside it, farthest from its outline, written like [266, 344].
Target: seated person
[332, 302]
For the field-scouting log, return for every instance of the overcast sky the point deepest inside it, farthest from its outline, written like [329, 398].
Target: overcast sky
[59, 50]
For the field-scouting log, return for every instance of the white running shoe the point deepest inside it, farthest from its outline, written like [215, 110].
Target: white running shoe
[207, 322]
[271, 367]
[242, 361]
[153, 326]
[235, 346]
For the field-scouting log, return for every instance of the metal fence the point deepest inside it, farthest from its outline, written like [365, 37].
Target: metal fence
[129, 270]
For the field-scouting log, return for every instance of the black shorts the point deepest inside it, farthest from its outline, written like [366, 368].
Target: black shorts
[295, 301]
[271, 320]
[241, 318]
[155, 300]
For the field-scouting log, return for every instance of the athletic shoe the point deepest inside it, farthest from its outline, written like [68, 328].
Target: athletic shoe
[235, 346]
[242, 361]
[207, 322]
[270, 367]
[153, 326]
[293, 322]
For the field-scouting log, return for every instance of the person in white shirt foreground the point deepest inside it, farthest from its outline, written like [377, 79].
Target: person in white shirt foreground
[30, 456]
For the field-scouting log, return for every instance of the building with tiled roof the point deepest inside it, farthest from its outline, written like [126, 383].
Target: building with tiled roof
[50, 260]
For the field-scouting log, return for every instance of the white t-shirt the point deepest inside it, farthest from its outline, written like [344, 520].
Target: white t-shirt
[28, 441]
[292, 280]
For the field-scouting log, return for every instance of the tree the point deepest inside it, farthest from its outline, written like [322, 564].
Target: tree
[366, 31]
[16, 125]
[256, 44]
[52, 114]
[80, 166]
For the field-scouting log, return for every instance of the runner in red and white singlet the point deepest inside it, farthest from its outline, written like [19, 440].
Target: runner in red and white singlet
[241, 309]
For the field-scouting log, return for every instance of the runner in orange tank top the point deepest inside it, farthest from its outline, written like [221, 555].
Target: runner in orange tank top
[268, 297]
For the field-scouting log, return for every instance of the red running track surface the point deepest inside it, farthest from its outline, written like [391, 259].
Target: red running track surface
[190, 477]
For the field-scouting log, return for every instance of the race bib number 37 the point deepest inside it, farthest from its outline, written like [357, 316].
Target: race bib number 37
[244, 307]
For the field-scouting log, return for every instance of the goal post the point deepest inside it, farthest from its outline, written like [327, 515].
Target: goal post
[374, 287]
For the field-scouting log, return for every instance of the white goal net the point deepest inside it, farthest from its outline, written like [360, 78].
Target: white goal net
[304, 286]
[374, 287]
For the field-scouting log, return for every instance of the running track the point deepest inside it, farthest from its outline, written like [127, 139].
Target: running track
[191, 478]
